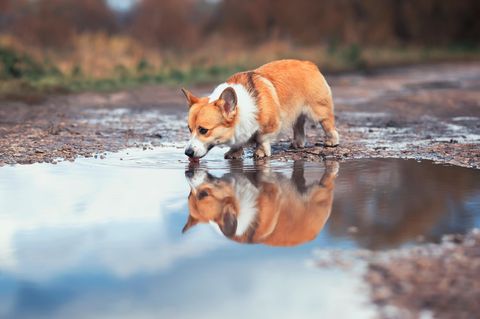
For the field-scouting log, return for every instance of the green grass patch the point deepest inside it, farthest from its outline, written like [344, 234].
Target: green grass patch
[21, 77]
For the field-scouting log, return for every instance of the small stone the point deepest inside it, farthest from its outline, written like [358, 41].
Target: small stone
[352, 230]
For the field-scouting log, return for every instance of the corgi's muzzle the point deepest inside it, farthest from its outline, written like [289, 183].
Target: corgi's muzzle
[189, 152]
[196, 177]
[196, 149]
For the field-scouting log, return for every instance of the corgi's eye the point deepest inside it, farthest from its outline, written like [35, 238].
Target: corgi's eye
[190, 129]
[202, 195]
[202, 130]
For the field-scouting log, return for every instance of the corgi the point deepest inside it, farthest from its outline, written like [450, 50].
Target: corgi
[255, 106]
[267, 208]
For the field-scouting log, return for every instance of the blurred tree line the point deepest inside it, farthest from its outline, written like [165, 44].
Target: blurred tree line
[85, 44]
[185, 24]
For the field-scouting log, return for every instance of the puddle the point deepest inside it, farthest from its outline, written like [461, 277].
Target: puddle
[103, 238]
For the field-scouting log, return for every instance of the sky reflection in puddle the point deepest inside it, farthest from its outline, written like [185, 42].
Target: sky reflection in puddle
[103, 238]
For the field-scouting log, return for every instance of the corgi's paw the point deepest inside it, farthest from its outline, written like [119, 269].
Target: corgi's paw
[297, 144]
[234, 154]
[331, 167]
[263, 149]
[260, 153]
[332, 139]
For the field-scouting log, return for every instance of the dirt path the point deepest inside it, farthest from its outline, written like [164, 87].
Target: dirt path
[422, 112]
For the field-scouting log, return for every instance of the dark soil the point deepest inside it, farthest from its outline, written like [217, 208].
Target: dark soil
[88, 124]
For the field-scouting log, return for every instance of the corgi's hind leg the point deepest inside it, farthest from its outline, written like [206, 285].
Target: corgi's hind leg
[299, 132]
[331, 134]
[321, 195]
[330, 174]
[298, 176]
[322, 111]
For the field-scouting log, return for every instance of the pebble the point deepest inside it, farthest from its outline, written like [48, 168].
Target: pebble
[352, 230]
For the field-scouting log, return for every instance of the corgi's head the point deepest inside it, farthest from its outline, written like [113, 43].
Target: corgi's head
[210, 122]
[211, 199]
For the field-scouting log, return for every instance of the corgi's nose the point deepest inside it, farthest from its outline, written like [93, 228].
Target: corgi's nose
[189, 173]
[189, 152]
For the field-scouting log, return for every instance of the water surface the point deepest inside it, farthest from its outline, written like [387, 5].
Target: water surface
[103, 238]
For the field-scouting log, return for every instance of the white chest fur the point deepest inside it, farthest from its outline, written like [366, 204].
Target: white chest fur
[247, 124]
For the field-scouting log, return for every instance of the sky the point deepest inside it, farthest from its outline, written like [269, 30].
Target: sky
[125, 5]
[121, 5]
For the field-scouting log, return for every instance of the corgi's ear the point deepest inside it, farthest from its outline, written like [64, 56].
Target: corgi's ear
[191, 99]
[228, 100]
[189, 224]
[228, 226]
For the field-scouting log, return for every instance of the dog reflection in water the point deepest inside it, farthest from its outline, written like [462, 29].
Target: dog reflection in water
[262, 206]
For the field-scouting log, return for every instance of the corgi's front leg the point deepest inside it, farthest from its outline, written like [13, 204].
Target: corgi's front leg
[263, 148]
[234, 153]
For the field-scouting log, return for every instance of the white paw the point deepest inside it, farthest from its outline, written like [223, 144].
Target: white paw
[332, 167]
[332, 139]
[260, 153]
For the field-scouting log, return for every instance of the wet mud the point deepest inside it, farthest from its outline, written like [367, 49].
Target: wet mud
[436, 281]
[420, 112]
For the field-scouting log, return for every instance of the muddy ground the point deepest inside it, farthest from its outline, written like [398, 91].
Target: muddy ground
[422, 112]
[429, 281]
[425, 280]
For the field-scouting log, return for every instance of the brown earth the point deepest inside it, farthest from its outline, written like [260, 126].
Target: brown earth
[439, 281]
[422, 112]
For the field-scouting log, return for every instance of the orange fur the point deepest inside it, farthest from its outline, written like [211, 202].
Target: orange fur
[284, 92]
[284, 216]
